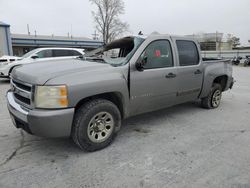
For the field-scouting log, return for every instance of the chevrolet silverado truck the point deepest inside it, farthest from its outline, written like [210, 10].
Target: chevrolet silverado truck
[87, 98]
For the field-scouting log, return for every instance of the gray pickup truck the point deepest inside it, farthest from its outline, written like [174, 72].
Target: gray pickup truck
[86, 98]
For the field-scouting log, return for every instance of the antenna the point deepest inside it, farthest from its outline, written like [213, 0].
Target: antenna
[71, 30]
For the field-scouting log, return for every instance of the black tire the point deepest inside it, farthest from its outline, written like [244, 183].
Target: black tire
[207, 102]
[237, 63]
[9, 74]
[84, 116]
[246, 62]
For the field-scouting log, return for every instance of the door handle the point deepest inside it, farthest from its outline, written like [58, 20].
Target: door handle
[170, 75]
[198, 71]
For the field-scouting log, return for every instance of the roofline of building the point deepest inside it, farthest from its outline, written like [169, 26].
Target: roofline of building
[55, 40]
[4, 24]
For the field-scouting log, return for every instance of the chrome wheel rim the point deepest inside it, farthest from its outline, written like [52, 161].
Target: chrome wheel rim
[216, 98]
[100, 127]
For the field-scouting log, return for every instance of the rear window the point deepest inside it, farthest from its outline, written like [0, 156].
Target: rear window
[188, 53]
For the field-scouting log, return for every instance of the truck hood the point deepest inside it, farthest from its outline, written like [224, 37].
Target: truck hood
[40, 73]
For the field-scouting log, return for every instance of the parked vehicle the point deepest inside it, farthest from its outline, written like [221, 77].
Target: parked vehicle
[236, 60]
[87, 98]
[247, 61]
[7, 59]
[38, 55]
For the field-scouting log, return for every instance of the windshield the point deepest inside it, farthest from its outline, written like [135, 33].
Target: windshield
[29, 53]
[116, 53]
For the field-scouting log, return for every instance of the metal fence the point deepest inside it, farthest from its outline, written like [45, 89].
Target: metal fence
[226, 54]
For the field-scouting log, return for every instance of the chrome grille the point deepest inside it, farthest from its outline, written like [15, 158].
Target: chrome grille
[22, 93]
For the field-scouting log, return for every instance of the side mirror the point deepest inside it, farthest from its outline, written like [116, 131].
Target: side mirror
[34, 57]
[140, 63]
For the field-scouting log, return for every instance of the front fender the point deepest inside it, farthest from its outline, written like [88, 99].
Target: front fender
[82, 86]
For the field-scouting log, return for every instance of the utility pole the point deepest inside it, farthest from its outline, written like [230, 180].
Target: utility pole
[71, 31]
[28, 28]
[95, 36]
[35, 33]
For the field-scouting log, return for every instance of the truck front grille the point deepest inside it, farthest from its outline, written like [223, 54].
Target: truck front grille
[22, 93]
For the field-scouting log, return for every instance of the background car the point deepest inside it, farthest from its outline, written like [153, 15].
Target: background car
[38, 55]
[7, 58]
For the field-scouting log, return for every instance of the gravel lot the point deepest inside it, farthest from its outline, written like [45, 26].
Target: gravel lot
[183, 146]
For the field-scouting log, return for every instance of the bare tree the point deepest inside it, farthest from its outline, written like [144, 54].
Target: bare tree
[235, 41]
[107, 20]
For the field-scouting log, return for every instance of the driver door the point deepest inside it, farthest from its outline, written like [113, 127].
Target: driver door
[155, 86]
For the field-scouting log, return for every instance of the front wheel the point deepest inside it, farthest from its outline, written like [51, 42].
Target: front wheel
[95, 124]
[246, 62]
[213, 99]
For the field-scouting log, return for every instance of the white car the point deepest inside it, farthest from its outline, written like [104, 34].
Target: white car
[7, 58]
[39, 55]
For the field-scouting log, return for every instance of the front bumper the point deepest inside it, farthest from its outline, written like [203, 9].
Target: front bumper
[45, 123]
[2, 75]
[4, 72]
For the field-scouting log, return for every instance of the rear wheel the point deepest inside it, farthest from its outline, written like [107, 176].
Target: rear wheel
[95, 124]
[213, 99]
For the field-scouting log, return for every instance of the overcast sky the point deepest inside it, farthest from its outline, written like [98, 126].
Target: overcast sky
[165, 16]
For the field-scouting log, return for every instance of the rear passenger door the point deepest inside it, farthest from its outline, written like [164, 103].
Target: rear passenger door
[190, 71]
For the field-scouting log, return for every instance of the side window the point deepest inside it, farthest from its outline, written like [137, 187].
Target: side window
[44, 54]
[60, 53]
[74, 53]
[188, 53]
[158, 54]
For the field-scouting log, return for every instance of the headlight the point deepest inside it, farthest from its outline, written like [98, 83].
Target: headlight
[51, 97]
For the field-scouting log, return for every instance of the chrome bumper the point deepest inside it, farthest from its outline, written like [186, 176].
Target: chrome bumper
[16, 109]
[45, 123]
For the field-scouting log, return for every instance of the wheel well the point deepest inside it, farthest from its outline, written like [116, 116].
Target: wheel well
[114, 97]
[222, 80]
[12, 69]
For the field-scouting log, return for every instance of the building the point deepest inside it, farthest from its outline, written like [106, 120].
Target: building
[5, 40]
[212, 41]
[24, 43]
[19, 44]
